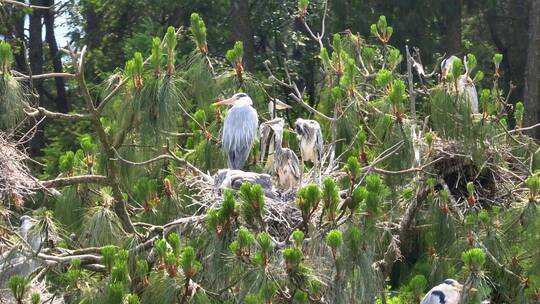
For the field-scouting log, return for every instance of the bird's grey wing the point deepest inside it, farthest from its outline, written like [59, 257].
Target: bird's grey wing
[294, 164]
[239, 131]
[434, 297]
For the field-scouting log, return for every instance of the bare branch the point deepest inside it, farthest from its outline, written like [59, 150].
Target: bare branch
[43, 76]
[22, 4]
[34, 112]
[73, 180]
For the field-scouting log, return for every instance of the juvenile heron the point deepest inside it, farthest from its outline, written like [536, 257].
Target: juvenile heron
[446, 293]
[267, 136]
[239, 129]
[285, 164]
[465, 84]
[310, 139]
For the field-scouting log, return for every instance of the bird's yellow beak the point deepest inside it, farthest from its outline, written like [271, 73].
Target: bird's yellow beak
[228, 101]
[473, 289]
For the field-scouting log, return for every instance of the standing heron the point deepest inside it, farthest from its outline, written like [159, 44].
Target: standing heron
[448, 292]
[239, 129]
[285, 164]
[310, 140]
[465, 84]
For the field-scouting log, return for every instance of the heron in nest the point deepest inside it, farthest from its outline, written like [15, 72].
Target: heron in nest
[285, 163]
[239, 129]
[465, 84]
[310, 140]
[449, 292]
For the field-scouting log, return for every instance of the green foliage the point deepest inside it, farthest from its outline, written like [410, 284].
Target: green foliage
[456, 69]
[174, 240]
[293, 257]
[518, 113]
[474, 259]
[67, 162]
[235, 54]
[252, 203]
[381, 30]
[330, 198]
[6, 58]
[19, 286]
[397, 93]
[198, 29]
[298, 238]
[384, 78]
[533, 184]
[189, 263]
[334, 239]
[353, 168]
[418, 284]
[132, 299]
[156, 56]
[302, 7]
[170, 44]
[35, 298]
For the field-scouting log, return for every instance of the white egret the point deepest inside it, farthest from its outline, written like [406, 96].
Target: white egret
[465, 84]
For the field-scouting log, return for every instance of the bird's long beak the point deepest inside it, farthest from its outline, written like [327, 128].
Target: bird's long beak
[473, 289]
[228, 101]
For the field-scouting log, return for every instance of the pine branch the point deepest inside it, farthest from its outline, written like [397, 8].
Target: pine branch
[73, 180]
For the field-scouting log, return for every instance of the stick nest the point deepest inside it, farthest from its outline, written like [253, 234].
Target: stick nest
[16, 181]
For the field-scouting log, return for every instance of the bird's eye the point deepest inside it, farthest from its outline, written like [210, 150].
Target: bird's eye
[241, 95]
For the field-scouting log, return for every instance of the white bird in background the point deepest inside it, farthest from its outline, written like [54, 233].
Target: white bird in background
[465, 84]
[448, 292]
[275, 105]
[310, 140]
[285, 163]
[239, 129]
[15, 262]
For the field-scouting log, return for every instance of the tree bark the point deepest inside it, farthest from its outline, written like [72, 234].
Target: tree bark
[532, 76]
[62, 105]
[452, 27]
[35, 49]
[242, 31]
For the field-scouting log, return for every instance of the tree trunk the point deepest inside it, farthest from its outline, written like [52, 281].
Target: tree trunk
[61, 98]
[242, 31]
[452, 27]
[35, 49]
[532, 76]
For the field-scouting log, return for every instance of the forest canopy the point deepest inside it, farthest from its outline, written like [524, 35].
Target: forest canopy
[269, 151]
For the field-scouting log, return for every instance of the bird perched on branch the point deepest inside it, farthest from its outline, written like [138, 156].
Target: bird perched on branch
[310, 140]
[285, 163]
[239, 129]
[448, 292]
[275, 105]
[465, 84]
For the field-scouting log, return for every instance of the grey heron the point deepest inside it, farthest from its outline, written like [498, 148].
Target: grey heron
[448, 292]
[465, 84]
[285, 163]
[310, 140]
[239, 129]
